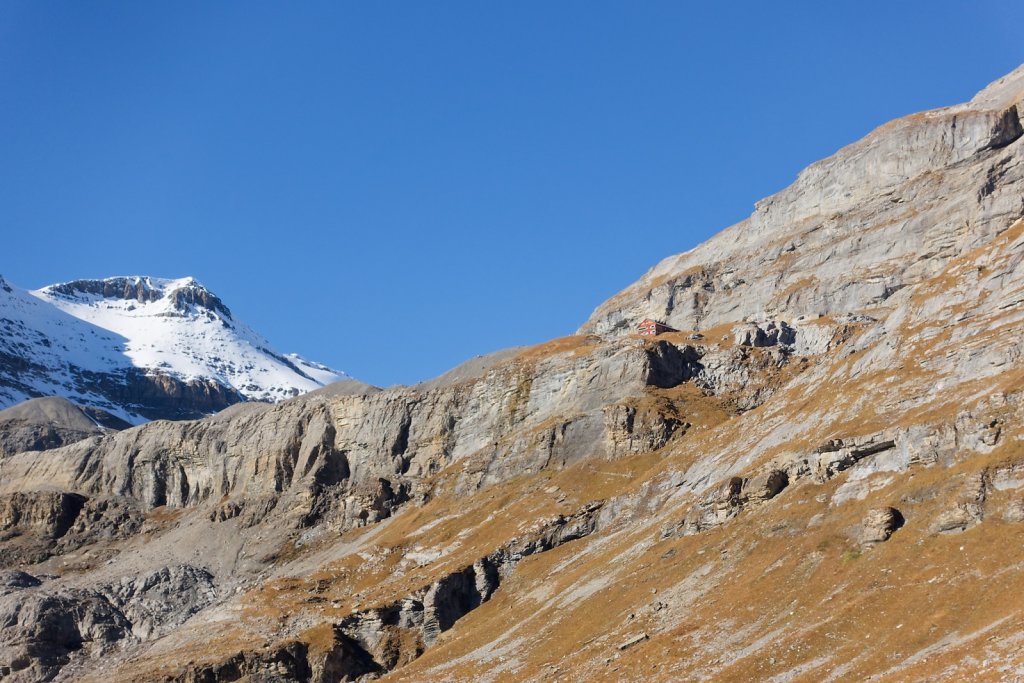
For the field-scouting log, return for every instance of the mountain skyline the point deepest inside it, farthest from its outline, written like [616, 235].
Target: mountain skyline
[818, 474]
[509, 169]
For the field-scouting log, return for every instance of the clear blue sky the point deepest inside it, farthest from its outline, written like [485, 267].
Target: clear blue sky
[473, 175]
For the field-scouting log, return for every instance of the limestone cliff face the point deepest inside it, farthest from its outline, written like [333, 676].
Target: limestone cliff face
[820, 476]
[360, 452]
[881, 215]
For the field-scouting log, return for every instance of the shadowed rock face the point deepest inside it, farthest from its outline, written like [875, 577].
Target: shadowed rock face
[161, 397]
[48, 512]
[152, 395]
[791, 492]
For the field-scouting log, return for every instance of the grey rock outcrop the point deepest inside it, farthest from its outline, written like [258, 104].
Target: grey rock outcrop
[724, 502]
[879, 525]
[838, 454]
[1014, 512]
[771, 333]
[12, 580]
[968, 507]
[161, 600]
[640, 428]
[40, 632]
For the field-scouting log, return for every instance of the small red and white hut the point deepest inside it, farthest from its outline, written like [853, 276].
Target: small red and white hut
[651, 328]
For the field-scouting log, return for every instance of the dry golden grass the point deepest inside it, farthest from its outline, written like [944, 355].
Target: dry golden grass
[577, 345]
[778, 588]
[782, 590]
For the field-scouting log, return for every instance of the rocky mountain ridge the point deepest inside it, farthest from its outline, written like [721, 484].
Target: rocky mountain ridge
[182, 294]
[882, 214]
[821, 477]
[140, 348]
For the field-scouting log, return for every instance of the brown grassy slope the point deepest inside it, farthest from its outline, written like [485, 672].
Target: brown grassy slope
[784, 591]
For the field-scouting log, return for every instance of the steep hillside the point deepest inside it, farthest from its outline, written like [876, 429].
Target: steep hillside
[142, 348]
[882, 215]
[820, 477]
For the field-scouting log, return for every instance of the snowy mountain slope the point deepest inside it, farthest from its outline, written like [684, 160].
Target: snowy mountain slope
[140, 347]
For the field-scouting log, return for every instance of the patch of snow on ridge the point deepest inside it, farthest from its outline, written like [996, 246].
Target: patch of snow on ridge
[316, 371]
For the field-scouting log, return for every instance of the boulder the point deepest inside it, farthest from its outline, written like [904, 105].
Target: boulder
[879, 524]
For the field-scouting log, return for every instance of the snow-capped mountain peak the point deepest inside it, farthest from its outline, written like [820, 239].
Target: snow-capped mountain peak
[88, 339]
[183, 296]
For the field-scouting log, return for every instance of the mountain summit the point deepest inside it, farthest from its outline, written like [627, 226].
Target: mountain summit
[141, 348]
